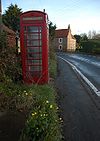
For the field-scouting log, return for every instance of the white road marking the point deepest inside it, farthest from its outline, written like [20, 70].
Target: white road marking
[83, 77]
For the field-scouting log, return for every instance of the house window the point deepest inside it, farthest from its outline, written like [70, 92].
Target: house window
[60, 40]
[60, 47]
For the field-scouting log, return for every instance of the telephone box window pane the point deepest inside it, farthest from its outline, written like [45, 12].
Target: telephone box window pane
[34, 56]
[33, 36]
[32, 29]
[35, 62]
[34, 50]
[25, 28]
[35, 74]
[33, 42]
[35, 68]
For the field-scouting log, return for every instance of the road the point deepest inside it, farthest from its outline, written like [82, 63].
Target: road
[88, 65]
[80, 114]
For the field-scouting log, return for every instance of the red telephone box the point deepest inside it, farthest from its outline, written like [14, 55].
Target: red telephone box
[34, 46]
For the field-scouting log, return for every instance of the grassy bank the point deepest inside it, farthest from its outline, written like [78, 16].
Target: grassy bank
[43, 122]
[38, 103]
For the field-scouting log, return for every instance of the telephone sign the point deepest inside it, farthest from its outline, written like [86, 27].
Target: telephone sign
[34, 46]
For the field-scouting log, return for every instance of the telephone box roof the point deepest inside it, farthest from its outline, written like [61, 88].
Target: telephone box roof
[33, 11]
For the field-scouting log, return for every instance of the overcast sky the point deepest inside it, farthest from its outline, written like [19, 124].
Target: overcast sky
[82, 15]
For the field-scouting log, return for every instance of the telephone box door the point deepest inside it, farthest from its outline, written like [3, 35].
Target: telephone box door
[33, 46]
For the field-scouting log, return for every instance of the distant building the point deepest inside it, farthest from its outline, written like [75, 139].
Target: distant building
[64, 40]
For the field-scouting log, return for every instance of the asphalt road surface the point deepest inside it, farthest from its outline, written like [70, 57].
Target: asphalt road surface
[80, 114]
[88, 65]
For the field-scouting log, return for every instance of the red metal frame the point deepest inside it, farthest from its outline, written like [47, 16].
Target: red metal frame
[34, 46]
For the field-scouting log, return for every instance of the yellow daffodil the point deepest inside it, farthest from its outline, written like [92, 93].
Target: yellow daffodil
[47, 101]
[33, 114]
[26, 94]
[51, 106]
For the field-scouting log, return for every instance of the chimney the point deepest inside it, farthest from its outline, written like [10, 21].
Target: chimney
[69, 27]
[0, 17]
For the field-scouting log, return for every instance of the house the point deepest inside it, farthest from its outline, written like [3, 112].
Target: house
[64, 40]
[11, 36]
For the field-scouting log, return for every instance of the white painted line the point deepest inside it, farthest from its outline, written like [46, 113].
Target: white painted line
[83, 77]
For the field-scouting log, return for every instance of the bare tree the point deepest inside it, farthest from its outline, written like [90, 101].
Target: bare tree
[89, 34]
[93, 33]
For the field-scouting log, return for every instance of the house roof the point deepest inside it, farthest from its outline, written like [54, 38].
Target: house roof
[61, 33]
[8, 30]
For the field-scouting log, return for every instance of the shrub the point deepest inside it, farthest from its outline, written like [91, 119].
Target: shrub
[90, 46]
[96, 50]
[3, 40]
[15, 97]
[10, 69]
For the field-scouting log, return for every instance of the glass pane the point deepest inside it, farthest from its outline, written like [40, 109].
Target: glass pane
[39, 62]
[32, 29]
[35, 68]
[35, 74]
[34, 50]
[33, 42]
[34, 56]
[33, 36]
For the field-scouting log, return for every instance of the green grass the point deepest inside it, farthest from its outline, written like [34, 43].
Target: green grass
[53, 68]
